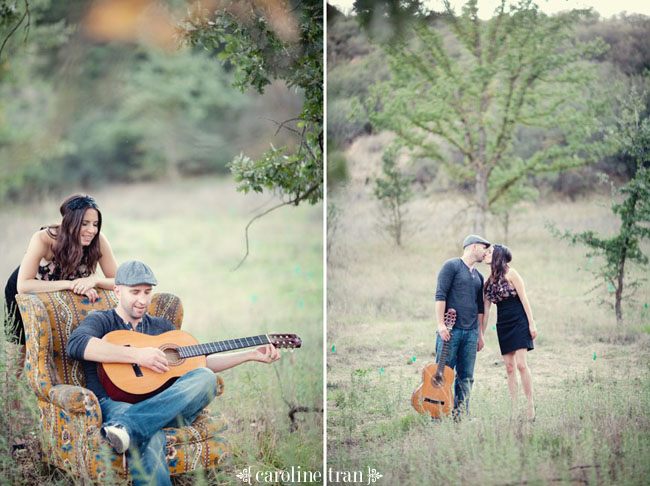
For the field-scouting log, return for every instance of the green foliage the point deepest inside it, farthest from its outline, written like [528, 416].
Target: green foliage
[337, 168]
[465, 86]
[9, 14]
[345, 40]
[115, 114]
[627, 38]
[393, 191]
[387, 19]
[27, 107]
[351, 81]
[504, 206]
[181, 120]
[632, 135]
[264, 47]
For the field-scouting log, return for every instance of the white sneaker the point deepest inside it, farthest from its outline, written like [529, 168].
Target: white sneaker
[118, 437]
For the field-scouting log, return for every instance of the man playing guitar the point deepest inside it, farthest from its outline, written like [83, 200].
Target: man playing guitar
[139, 427]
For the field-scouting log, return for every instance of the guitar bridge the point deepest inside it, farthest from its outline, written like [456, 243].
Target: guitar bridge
[137, 370]
[431, 400]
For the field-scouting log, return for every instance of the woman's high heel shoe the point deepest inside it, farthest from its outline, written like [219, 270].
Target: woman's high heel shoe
[532, 420]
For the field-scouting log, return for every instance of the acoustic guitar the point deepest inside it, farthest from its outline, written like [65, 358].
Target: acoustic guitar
[433, 396]
[131, 383]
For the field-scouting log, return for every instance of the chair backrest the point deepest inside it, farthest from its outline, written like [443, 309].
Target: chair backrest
[50, 318]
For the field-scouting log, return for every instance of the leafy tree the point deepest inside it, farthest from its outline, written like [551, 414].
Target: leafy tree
[627, 38]
[28, 108]
[386, 19]
[393, 191]
[12, 16]
[505, 206]
[263, 44]
[632, 134]
[264, 47]
[181, 119]
[467, 85]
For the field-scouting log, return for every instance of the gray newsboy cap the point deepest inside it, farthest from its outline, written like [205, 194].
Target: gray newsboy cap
[134, 273]
[471, 239]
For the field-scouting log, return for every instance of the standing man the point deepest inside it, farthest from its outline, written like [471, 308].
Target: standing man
[138, 428]
[460, 286]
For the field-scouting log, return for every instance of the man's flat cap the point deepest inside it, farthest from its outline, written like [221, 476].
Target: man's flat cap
[134, 273]
[471, 239]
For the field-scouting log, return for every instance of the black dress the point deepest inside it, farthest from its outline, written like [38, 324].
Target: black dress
[48, 271]
[512, 323]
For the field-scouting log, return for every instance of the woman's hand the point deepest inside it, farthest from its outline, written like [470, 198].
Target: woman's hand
[533, 330]
[92, 295]
[82, 285]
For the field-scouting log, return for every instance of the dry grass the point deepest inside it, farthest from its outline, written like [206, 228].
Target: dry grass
[592, 380]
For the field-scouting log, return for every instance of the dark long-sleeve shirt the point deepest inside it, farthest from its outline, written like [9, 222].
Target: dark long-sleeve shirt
[462, 290]
[98, 324]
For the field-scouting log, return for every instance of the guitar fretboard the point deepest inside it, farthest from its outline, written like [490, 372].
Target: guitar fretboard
[222, 346]
[443, 358]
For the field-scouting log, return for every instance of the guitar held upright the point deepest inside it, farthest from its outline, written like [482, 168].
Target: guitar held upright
[434, 396]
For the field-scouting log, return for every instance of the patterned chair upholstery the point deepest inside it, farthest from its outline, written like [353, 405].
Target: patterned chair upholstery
[70, 414]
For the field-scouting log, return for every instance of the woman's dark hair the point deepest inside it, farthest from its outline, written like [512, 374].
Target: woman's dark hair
[501, 256]
[68, 250]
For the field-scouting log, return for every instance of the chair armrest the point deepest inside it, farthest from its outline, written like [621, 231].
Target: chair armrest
[39, 369]
[76, 400]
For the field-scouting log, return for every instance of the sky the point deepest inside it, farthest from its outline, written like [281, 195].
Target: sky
[606, 8]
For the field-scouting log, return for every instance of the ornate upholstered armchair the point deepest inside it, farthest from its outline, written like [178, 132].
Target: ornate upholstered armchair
[70, 414]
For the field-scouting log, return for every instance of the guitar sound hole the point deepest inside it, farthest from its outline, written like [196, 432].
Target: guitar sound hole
[173, 356]
[438, 381]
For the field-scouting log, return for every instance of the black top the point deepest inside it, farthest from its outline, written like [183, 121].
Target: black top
[98, 324]
[462, 290]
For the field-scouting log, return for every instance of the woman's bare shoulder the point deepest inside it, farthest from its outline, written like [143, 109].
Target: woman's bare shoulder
[47, 234]
[44, 240]
[512, 273]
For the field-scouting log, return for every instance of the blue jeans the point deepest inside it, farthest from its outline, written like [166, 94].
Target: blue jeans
[176, 406]
[461, 357]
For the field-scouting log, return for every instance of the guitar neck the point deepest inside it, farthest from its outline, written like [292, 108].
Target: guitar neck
[222, 346]
[443, 358]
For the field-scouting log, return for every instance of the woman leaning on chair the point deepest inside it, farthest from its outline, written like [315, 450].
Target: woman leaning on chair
[63, 257]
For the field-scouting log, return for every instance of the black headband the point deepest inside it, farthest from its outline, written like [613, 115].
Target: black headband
[81, 202]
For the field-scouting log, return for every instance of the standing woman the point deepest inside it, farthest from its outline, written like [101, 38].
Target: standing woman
[63, 257]
[516, 327]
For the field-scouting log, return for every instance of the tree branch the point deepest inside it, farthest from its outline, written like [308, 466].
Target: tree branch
[285, 203]
[13, 31]
[283, 124]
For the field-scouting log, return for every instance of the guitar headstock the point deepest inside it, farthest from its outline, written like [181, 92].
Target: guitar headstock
[450, 318]
[288, 341]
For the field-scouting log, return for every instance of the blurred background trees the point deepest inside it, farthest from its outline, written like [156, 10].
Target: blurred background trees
[97, 92]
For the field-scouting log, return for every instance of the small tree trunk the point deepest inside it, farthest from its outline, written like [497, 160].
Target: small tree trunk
[625, 229]
[481, 203]
[398, 227]
[619, 289]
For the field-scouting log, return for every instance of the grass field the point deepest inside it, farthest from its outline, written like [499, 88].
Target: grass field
[591, 378]
[191, 233]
